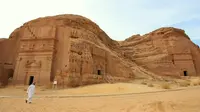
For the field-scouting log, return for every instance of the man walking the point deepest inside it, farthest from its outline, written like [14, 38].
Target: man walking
[30, 92]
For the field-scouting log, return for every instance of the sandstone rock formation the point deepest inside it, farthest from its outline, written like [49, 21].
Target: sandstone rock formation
[75, 51]
[166, 51]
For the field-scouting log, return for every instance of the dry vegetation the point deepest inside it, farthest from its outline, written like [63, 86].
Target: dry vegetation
[150, 85]
[184, 83]
[144, 83]
[169, 83]
[195, 82]
[165, 86]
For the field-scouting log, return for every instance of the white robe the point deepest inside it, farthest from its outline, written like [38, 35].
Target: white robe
[30, 91]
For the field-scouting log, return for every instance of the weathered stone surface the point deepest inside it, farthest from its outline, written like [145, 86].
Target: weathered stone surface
[166, 51]
[75, 51]
[70, 44]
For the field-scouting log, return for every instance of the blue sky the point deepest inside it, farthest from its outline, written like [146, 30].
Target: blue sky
[118, 18]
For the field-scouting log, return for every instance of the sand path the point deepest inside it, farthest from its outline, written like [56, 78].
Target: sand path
[187, 100]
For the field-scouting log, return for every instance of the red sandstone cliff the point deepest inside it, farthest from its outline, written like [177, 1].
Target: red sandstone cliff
[76, 48]
[165, 51]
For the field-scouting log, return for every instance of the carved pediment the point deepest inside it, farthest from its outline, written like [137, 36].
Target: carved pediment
[33, 64]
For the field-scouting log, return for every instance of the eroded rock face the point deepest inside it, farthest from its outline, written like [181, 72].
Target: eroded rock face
[166, 51]
[70, 48]
[8, 54]
[75, 51]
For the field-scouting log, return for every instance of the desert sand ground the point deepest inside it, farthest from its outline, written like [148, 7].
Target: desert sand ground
[98, 89]
[178, 100]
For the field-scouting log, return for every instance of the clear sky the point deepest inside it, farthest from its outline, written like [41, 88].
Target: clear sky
[118, 18]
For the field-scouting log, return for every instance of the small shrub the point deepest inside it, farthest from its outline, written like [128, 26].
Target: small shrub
[184, 83]
[165, 86]
[72, 82]
[144, 83]
[150, 85]
[195, 82]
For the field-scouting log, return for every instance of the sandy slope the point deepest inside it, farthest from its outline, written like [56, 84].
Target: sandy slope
[187, 100]
[117, 88]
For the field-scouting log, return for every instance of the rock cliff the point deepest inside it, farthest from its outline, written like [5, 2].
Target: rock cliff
[75, 51]
[165, 51]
